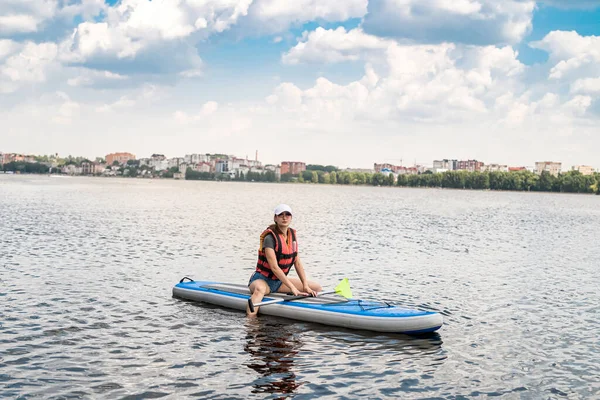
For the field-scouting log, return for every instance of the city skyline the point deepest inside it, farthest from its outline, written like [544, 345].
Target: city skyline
[200, 158]
[346, 83]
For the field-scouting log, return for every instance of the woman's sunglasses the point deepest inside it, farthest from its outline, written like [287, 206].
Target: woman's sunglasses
[285, 213]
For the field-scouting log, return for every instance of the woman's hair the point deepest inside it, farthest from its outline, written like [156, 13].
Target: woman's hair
[275, 228]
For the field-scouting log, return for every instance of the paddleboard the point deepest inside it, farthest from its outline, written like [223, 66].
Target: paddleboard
[332, 309]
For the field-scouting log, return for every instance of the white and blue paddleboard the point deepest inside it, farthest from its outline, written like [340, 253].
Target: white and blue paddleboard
[332, 310]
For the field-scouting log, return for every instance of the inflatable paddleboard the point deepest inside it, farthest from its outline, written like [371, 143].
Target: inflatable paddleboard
[332, 309]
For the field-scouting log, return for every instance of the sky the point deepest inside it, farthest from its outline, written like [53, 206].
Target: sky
[347, 83]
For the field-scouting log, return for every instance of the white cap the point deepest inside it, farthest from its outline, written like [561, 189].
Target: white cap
[283, 208]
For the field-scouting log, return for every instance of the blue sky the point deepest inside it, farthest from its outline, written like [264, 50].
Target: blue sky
[346, 83]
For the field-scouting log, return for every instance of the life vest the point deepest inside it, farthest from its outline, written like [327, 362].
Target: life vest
[286, 253]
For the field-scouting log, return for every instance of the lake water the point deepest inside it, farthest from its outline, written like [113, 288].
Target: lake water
[87, 267]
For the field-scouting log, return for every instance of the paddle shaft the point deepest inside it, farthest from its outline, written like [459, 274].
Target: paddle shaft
[266, 303]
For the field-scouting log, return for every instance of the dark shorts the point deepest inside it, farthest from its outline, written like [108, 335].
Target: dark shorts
[274, 284]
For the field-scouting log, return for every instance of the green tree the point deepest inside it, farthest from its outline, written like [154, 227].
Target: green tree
[300, 178]
[402, 180]
[286, 177]
[390, 180]
[359, 178]
[378, 179]
[314, 177]
[435, 180]
[333, 177]
[546, 182]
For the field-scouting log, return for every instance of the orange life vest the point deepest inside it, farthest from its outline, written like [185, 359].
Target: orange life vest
[285, 251]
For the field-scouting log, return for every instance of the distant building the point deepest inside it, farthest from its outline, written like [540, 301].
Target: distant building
[122, 158]
[583, 169]
[445, 165]
[201, 167]
[223, 166]
[516, 169]
[554, 168]
[14, 157]
[385, 168]
[360, 170]
[196, 158]
[292, 167]
[71, 169]
[469, 165]
[417, 169]
[157, 161]
[175, 162]
[87, 168]
[494, 168]
[274, 168]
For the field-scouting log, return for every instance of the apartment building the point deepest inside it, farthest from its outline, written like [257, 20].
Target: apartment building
[494, 168]
[469, 165]
[444, 165]
[121, 158]
[554, 168]
[583, 169]
[292, 167]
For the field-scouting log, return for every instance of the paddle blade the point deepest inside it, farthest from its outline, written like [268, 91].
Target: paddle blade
[343, 288]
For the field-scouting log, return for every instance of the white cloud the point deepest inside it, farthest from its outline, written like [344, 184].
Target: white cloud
[21, 16]
[122, 102]
[563, 45]
[87, 9]
[8, 47]
[572, 58]
[192, 73]
[137, 30]
[587, 85]
[209, 108]
[464, 21]
[136, 25]
[578, 105]
[88, 77]
[66, 111]
[30, 65]
[423, 81]
[140, 98]
[271, 16]
[333, 45]
[17, 23]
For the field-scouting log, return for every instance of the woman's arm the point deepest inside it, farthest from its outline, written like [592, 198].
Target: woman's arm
[302, 275]
[272, 260]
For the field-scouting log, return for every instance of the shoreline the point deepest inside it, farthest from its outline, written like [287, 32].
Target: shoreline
[11, 173]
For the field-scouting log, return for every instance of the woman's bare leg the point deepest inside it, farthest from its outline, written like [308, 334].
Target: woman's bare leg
[298, 283]
[259, 289]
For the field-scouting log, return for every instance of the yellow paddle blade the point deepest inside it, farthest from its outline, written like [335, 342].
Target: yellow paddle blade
[343, 288]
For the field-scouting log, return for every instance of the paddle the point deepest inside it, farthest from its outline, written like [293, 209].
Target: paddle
[343, 289]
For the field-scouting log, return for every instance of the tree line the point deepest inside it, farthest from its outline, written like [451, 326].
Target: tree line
[569, 182]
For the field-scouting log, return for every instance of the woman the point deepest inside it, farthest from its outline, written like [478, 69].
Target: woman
[277, 253]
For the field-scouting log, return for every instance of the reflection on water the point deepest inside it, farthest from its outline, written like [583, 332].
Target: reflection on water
[273, 346]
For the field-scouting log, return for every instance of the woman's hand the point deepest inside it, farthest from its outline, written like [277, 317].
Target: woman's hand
[308, 290]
